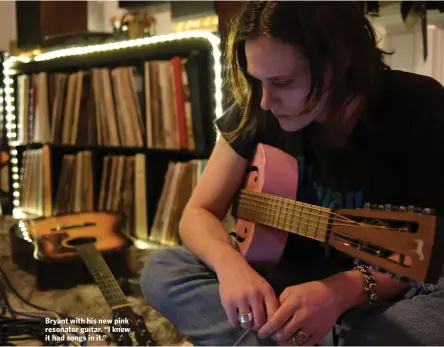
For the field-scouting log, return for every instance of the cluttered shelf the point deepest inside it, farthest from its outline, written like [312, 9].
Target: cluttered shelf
[121, 126]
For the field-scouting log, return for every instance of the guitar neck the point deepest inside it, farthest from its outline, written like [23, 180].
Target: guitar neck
[285, 214]
[102, 275]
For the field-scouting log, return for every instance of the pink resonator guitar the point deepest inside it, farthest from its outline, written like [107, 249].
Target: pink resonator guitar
[406, 242]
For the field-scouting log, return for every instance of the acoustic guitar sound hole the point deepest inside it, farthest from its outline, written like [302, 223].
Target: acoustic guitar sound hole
[81, 241]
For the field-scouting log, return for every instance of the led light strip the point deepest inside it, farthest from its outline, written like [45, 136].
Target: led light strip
[8, 66]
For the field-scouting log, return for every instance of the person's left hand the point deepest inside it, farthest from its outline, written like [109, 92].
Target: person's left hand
[311, 307]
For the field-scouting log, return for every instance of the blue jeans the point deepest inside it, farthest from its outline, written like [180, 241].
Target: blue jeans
[185, 291]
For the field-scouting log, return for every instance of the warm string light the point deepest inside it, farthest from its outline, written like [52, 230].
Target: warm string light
[11, 127]
[11, 116]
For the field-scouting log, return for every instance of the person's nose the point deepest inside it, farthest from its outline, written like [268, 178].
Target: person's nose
[268, 99]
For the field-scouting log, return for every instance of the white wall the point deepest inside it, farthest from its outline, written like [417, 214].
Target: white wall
[407, 43]
[161, 12]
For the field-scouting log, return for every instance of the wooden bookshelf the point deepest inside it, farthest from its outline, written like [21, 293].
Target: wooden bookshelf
[162, 94]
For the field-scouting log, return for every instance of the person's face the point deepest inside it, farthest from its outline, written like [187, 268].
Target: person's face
[285, 80]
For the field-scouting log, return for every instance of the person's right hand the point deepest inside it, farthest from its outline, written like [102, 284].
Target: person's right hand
[243, 290]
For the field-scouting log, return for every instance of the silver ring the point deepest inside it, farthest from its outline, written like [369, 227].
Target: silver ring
[245, 317]
[299, 338]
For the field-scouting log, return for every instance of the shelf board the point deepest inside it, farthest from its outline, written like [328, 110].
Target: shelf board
[159, 50]
[112, 149]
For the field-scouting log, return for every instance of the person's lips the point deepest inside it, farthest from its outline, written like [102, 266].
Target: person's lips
[281, 116]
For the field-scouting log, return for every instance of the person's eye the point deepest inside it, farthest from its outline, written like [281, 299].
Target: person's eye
[282, 83]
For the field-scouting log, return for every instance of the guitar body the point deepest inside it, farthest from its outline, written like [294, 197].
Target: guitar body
[43, 247]
[274, 172]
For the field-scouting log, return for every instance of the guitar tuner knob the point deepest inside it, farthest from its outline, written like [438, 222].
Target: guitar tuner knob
[388, 207]
[411, 208]
[381, 207]
[395, 208]
[402, 208]
[367, 205]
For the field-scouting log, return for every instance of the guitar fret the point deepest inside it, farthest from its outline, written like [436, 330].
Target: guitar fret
[102, 275]
[267, 215]
[291, 221]
[307, 221]
[285, 207]
[317, 223]
[300, 217]
[273, 202]
[278, 213]
[285, 214]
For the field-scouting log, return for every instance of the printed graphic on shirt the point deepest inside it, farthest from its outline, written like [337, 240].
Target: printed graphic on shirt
[313, 192]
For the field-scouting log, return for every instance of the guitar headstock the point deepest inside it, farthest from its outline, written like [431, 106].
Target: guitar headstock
[129, 328]
[405, 241]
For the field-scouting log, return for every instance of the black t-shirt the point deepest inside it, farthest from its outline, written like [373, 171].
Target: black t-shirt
[396, 156]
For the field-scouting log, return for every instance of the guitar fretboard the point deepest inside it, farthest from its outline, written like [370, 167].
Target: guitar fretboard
[285, 214]
[102, 275]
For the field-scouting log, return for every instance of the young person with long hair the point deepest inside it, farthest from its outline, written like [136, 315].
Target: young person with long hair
[308, 78]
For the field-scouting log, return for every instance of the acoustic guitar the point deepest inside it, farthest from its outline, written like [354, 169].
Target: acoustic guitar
[39, 247]
[403, 241]
[87, 235]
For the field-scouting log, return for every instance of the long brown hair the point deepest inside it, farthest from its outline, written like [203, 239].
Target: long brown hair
[334, 34]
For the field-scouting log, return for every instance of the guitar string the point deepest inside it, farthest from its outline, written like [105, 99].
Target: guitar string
[83, 250]
[113, 291]
[356, 244]
[310, 210]
[265, 196]
[334, 234]
[110, 283]
[302, 220]
[110, 288]
[103, 285]
[271, 216]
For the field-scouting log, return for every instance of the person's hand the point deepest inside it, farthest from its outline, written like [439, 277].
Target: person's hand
[310, 307]
[243, 290]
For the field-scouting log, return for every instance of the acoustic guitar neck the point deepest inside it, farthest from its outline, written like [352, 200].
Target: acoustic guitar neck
[285, 214]
[102, 275]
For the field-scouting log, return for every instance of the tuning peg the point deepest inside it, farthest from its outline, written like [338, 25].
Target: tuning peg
[395, 207]
[402, 208]
[388, 207]
[411, 208]
[367, 205]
